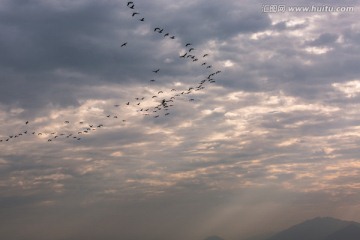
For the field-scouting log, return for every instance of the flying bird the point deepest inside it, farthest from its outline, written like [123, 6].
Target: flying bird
[131, 5]
[134, 13]
[183, 56]
[156, 71]
[205, 55]
[26, 122]
[142, 19]
[191, 49]
[159, 30]
[124, 44]
[188, 44]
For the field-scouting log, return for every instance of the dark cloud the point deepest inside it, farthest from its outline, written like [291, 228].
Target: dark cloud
[324, 39]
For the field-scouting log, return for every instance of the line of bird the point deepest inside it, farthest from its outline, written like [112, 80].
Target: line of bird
[162, 108]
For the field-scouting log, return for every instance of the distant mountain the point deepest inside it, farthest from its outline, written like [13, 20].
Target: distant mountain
[350, 232]
[259, 237]
[321, 228]
[214, 238]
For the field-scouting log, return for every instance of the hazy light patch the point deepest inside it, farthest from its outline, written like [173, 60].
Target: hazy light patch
[317, 50]
[228, 63]
[111, 191]
[186, 124]
[288, 142]
[262, 35]
[16, 111]
[207, 112]
[350, 88]
[351, 164]
[117, 154]
[231, 114]
[305, 175]
[295, 22]
[142, 30]
[265, 56]
[53, 177]
[217, 136]
[151, 182]
[87, 168]
[47, 203]
[287, 167]
[235, 96]
[169, 60]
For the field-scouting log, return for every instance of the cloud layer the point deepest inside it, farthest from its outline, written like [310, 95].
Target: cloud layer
[270, 140]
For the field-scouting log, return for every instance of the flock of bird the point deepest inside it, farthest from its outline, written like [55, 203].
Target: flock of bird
[163, 104]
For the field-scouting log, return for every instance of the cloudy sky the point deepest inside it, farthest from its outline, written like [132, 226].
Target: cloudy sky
[271, 140]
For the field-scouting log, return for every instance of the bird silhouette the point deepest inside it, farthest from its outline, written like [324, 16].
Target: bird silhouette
[134, 13]
[159, 30]
[124, 44]
[131, 5]
[156, 71]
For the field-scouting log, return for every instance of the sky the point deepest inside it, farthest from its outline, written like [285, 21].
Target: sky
[258, 135]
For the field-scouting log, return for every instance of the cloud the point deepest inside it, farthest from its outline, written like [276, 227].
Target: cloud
[275, 136]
